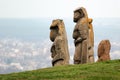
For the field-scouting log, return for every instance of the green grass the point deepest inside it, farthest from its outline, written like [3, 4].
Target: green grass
[109, 70]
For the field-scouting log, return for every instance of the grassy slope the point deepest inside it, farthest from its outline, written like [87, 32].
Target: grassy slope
[109, 70]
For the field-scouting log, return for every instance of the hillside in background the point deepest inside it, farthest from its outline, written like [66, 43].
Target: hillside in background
[109, 70]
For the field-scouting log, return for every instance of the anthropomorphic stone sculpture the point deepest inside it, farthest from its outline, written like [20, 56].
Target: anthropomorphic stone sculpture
[80, 36]
[104, 50]
[91, 42]
[59, 49]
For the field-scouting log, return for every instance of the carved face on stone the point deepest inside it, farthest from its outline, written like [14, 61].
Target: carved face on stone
[78, 14]
[53, 32]
[56, 29]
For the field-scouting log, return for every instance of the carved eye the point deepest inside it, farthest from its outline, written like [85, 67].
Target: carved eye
[54, 28]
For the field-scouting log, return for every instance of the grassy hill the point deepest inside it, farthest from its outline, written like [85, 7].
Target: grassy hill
[109, 70]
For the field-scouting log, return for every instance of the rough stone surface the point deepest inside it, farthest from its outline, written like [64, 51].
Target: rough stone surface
[104, 50]
[80, 36]
[59, 49]
[91, 42]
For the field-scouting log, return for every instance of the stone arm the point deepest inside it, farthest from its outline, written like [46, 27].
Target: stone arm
[53, 51]
[76, 36]
[84, 34]
[76, 33]
[78, 40]
[84, 31]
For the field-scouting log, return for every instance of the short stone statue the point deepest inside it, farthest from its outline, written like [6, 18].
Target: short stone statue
[59, 49]
[80, 36]
[104, 50]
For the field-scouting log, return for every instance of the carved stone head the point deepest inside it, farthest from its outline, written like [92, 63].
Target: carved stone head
[79, 13]
[54, 29]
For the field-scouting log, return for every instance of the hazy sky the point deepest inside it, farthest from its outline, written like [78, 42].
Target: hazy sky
[57, 8]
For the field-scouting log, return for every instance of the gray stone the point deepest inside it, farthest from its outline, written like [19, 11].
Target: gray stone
[59, 49]
[80, 36]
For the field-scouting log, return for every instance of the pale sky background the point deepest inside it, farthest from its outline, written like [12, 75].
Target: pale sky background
[57, 8]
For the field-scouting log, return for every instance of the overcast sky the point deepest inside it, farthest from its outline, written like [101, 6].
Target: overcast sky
[57, 8]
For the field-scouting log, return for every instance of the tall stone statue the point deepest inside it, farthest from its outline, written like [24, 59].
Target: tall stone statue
[91, 42]
[80, 36]
[104, 50]
[59, 49]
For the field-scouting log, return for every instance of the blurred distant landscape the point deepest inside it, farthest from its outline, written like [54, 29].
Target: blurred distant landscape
[25, 44]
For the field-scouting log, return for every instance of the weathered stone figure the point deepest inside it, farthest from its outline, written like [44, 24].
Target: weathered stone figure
[80, 35]
[104, 50]
[59, 49]
[91, 42]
